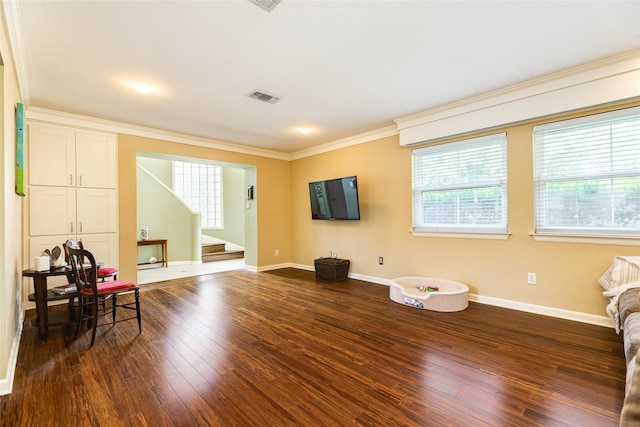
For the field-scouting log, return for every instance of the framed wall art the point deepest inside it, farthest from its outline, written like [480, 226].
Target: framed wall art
[20, 149]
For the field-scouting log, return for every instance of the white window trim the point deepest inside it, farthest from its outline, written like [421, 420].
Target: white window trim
[452, 235]
[465, 231]
[585, 236]
[587, 239]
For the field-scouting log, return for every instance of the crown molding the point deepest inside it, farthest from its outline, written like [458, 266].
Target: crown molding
[605, 82]
[36, 114]
[361, 138]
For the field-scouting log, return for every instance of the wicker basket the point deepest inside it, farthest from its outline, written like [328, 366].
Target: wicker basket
[331, 269]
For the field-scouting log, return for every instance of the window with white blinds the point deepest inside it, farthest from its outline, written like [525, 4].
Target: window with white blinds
[199, 186]
[461, 186]
[587, 175]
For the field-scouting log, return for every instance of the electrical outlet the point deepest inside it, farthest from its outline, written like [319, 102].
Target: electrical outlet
[531, 278]
[380, 260]
[277, 252]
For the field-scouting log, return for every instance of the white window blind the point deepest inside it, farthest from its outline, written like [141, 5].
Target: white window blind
[461, 186]
[199, 186]
[587, 175]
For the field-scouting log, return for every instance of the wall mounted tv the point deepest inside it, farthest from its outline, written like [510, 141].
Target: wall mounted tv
[335, 199]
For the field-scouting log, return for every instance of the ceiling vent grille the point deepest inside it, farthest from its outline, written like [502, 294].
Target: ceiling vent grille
[261, 96]
[267, 5]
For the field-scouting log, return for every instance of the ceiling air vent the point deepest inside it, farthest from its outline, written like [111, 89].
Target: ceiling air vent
[271, 99]
[267, 5]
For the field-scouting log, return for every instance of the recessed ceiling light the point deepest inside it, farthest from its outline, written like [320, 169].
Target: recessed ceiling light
[304, 131]
[142, 87]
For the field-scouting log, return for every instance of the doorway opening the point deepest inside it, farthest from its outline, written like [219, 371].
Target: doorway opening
[200, 207]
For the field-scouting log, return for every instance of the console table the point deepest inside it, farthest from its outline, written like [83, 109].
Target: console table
[159, 242]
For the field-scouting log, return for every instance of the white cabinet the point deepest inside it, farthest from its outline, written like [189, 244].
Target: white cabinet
[60, 156]
[51, 155]
[96, 210]
[52, 210]
[72, 191]
[64, 210]
[104, 247]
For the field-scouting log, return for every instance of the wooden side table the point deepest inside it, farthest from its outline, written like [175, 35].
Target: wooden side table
[160, 242]
[42, 295]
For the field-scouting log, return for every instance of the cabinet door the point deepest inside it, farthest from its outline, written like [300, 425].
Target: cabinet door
[96, 210]
[52, 210]
[51, 155]
[96, 162]
[104, 247]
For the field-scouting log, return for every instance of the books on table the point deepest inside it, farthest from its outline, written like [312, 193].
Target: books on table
[66, 289]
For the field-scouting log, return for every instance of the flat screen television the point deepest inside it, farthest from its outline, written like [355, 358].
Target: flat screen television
[333, 199]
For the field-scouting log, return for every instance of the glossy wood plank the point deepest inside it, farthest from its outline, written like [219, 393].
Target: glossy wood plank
[280, 348]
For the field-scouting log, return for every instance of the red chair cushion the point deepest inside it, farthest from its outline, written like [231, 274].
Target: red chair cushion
[111, 286]
[107, 271]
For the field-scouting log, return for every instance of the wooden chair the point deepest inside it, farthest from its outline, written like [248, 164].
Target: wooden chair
[98, 298]
[103, 272]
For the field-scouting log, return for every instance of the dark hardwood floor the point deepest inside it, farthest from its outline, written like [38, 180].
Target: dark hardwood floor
[282, 349]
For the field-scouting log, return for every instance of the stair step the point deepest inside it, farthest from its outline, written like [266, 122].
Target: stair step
[219, 256]
[211, 248]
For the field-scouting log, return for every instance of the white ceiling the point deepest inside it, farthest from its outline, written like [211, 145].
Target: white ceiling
[342, 68]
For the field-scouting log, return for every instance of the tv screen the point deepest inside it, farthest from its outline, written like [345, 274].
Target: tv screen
[335, 199]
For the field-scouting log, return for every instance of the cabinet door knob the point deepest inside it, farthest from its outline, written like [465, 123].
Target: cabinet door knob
[80, 181]
[71, 224]
[80, 227]
[70, 179]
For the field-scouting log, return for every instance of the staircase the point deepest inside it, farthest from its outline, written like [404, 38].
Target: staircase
[217, 252]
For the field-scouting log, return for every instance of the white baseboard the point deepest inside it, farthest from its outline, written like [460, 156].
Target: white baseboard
[498, 302]
[372, 279]
[176, 263]
[302, 267]
[545, 311]
[6, 383]
[274, 267]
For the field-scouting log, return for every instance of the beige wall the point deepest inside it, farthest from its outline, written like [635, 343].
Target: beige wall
[10, 221]
[270, 209]
[567, 273]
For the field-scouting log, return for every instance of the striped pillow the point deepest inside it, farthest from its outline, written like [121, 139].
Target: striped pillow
[625, 269]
